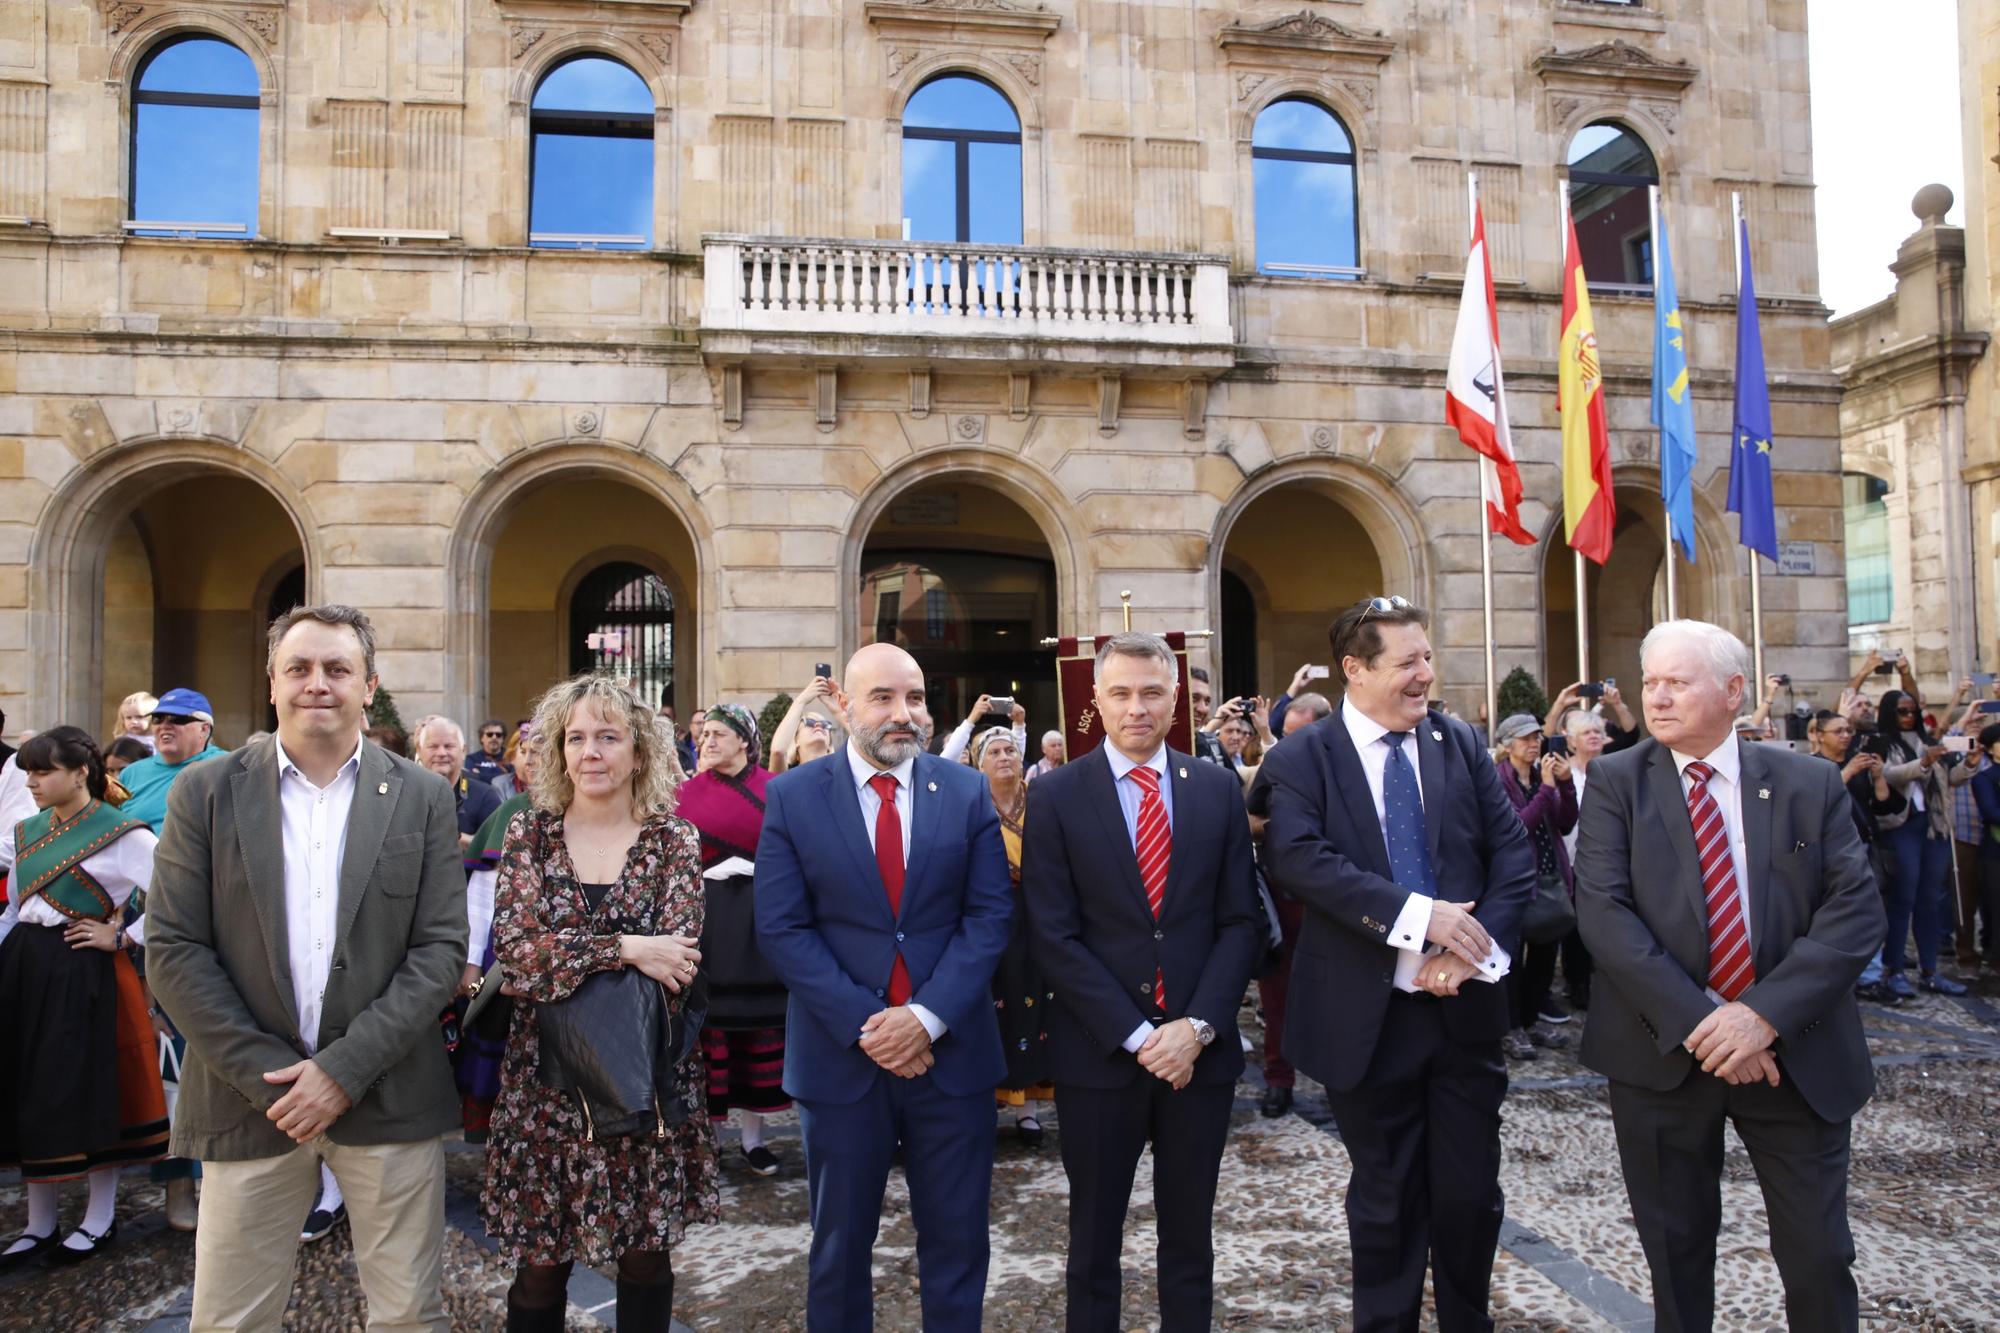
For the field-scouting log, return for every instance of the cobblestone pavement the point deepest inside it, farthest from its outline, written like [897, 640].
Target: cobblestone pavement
[1926, 1169]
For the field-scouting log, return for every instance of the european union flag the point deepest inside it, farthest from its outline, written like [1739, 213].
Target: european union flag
[1750, 441]
[1673, 408]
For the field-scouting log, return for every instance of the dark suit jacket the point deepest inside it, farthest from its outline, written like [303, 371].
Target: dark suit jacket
[824, 924]
[1323, 846]
[1815, 921]
[1093, 934]
[1986, 792]
[219, 963]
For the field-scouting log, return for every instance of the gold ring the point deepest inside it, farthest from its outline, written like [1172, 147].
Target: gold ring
[1439, 978]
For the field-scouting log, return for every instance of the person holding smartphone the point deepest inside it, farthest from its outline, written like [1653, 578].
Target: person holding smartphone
[1914, 764]
[1967, 830]
[1985, 787]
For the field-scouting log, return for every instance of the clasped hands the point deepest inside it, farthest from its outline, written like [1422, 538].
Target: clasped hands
[897, 1040]
[313, 1102]
[1170, 1052]
[1734, 1044]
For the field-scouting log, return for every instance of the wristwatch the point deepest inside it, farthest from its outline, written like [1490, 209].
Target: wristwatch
[1203, 1032]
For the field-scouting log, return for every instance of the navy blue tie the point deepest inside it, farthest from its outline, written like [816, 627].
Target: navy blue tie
[1403, 821]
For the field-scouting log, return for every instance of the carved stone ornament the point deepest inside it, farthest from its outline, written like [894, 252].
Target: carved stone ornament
[118, 17]
[1307, 31]
[1362, 91]
[898, 58]
[969, 428]
[658, 45]
[585, 423]
[519, 40]
[1614, 69]
[179, 418]
[1562, 108]
[1322, 438]
[1667, 113]
[1028, 65]
[264, 25]
[1249, 82]
[1617, 52]
[1002, 6]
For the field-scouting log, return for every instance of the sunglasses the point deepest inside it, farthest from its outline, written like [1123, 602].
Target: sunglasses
[816, 724]
[1382, 606]
[492, 735]
[173, 719]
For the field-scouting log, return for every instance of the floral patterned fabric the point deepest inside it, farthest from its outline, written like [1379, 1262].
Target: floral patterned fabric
[551, 1194]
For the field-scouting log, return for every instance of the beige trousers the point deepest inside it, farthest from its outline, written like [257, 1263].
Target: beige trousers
[252, 1212]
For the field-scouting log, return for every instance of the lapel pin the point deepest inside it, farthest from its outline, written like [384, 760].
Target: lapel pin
[382, 790]
[1763, 793]
[932, 787]
[1183, 773]
[1437, 735]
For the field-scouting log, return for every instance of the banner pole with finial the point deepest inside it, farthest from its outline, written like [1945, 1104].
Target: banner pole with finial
[1125, 600]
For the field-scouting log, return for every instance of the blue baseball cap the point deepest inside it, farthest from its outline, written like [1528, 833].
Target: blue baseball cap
[185, 703]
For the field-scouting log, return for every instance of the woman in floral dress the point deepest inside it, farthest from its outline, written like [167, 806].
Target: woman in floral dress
[598, 874]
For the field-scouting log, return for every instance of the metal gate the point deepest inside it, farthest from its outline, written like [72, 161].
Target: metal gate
[621, 621]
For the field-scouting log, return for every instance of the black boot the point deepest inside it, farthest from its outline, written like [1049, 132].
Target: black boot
[534, 1318]
[645, 1307]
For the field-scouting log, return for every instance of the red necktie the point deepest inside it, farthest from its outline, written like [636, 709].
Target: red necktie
[1154, 849]
[1730, 970]
[889, 860]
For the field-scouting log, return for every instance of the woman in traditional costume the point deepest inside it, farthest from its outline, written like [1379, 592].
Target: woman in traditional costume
[77, 1051]
[744, 1039]
[1021, 997]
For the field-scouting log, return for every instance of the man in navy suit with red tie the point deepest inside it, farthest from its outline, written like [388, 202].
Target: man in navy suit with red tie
[884, 903]
[1389, 824]
[1143, 912]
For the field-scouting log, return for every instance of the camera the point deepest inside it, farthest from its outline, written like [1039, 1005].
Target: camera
[1000, 703]
[1785, 680]
[1989, 705]
[1316, 673]
[1590, 690]
[1891, 659]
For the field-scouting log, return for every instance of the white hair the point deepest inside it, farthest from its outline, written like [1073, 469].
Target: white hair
[1048, 736]
[1724, 653]
[1578, 720]
[431, 723]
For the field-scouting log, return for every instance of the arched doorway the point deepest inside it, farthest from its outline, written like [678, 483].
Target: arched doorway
[963, 577]
[1296, 553]
[586, 572]
[185, 601]
[1626, 597]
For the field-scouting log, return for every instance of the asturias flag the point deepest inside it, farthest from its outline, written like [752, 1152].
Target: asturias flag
[1673, 408]
[1475, 392]
[1750, 438]
[1589, 513]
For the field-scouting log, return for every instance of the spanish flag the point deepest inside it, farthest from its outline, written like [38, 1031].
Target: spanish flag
[1589, 513]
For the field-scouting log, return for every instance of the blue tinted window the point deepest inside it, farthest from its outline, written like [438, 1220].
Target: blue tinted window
[1611, 172]
[591, 122]
[962, 163]
[194, 138]
[1302, 168]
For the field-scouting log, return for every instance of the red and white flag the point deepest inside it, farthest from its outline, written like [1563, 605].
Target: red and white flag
[1475, 393]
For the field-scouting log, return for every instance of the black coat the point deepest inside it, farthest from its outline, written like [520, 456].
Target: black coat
[1323, 846]
[1093, 934]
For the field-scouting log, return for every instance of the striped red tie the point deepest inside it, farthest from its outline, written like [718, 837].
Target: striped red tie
[1730, 970]
[1155, 848]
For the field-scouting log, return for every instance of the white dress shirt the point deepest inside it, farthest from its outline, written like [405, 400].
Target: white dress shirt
[1413, 922]
[314, 820]
[122, 869]
[1578, 776]
[871, 806]
[1726, 786]
[1129, 797]
[480, 888]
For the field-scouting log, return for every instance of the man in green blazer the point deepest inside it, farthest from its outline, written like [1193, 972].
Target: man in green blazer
[305, 926]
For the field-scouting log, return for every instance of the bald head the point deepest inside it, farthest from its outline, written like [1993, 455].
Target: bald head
[886, 708]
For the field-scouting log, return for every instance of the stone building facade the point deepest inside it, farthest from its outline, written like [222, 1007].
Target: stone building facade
[784, 430]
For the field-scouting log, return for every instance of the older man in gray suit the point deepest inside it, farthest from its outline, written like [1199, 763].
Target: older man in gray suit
[1728, 906]
[306, 925]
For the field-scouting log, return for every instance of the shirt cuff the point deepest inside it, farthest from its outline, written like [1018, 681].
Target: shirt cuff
[1412, 923]
[932, 1023]
[1138, 1037]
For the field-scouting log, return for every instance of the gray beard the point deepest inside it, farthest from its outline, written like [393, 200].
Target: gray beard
[887, 750]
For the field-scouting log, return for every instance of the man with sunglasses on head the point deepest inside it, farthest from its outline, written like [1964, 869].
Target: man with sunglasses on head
[1389, 825]
[183, 732]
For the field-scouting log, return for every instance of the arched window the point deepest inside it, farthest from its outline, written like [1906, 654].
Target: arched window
[961, 163]
[591, 169]
[1302, 161]
[194, 140]
[1610, 172]
[621, 621]
[1870, 580]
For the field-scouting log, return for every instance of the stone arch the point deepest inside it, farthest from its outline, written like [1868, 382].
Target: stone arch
[73, 534]
[483, 519]
[1366, 495]
[534, 66]
[1630, 115]
[545, 55]
[136, 42]
[990, 68]
[1034, 491]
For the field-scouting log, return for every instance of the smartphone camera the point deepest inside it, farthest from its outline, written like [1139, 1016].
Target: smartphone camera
[1590, 690]
[1785, 680]
[823, 670]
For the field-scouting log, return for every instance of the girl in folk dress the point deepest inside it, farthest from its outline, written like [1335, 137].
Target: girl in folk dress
[1020, 993]
[599, 874]
[77, 1048]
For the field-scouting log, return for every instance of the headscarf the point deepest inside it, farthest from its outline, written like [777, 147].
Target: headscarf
[977, 750]
[739, 720]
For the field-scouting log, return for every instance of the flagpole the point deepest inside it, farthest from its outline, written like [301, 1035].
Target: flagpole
[1486, 499]
[1756, 573]
[1582, 601]
[1673, 600]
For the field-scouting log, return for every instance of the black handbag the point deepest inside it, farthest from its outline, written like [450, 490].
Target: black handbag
[744, 990]
[614, 1048]
[1551, 915]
